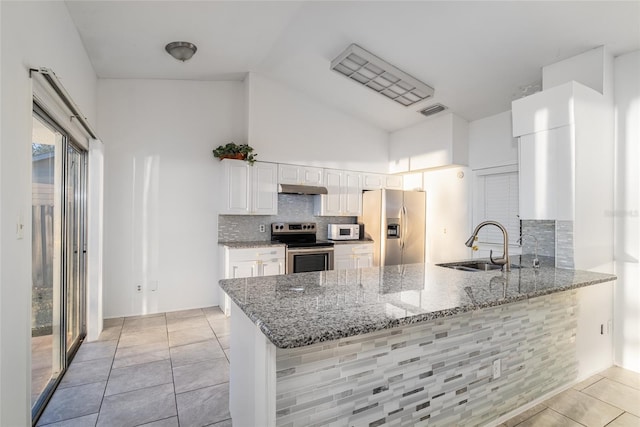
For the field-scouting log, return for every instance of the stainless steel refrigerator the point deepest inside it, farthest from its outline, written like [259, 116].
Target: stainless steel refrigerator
[395, 220]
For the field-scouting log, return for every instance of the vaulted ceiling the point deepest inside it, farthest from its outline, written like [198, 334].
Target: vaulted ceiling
[478, 55]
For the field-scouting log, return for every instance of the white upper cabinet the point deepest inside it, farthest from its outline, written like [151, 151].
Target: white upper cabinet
[547, 175]
[299, 175]
[352, 194]
[249, 190]
[377, 181]
[442, 140]
[344, 194]
[555, 128]
[545, 110]
[373, 181]
[393, 182]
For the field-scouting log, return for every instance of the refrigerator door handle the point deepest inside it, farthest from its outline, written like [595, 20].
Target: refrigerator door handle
[403, 226]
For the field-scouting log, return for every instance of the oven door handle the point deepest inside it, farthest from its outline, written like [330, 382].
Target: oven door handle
[307, 250]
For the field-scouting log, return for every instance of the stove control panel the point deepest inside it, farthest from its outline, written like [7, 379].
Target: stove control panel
[293, 228]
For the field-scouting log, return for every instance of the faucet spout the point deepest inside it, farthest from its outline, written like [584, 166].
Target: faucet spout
[469, 242]
[504, 260]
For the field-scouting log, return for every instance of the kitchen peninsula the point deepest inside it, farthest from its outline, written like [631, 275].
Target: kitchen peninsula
[402, 345]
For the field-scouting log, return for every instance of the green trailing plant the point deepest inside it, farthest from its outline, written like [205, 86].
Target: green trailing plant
[235, 151]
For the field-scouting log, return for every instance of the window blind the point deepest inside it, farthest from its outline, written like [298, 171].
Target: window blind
[498, 201]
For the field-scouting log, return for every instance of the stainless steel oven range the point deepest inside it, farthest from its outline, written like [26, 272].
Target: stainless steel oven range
[303, 252]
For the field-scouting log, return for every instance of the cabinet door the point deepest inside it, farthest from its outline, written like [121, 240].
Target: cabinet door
[332, 201]
[265, 188]
[311, 176]
[352, 194]
[343, 263]
[393, 182]
[238, 269]
[363, 260]
[373, 181]
[288, 174]
[272, 267]
[299, 175]
[547, 175]
[236, 187]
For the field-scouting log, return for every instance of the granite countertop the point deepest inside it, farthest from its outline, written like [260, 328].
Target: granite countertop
[248, 245]
[266, 244]
[296, 310]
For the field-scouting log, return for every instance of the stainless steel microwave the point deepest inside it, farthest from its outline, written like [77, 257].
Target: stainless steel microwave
[344, 232]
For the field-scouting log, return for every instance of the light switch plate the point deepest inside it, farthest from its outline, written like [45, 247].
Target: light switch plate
[20, 227]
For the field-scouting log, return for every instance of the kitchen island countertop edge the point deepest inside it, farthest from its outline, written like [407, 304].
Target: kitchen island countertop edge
[301, 309]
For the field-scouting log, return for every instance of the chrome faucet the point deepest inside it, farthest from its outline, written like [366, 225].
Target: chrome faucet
[504, 261]
[536, 262]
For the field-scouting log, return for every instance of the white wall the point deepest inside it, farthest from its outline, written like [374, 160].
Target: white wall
[287, 126]
[491, 143]
[436, 142]
[161, 189]
[34, 34]
[627, 217]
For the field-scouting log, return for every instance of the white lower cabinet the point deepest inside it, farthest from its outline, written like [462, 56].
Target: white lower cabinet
[347, 256]
[250, 262]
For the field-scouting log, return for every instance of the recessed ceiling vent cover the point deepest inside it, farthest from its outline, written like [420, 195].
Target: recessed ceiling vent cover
[377, 74]
[433, 109]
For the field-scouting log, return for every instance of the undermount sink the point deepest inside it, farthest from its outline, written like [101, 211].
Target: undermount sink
[471, 266]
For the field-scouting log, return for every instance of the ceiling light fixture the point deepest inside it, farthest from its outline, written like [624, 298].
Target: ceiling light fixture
[182, 51]
[377, 74]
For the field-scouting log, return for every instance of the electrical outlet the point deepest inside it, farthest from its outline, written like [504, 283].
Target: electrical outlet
[262, 228]
[497, 368]
[138, 288]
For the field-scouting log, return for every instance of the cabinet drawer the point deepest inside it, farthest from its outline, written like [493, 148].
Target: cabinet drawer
[256, 254]
[366, 248]
[346, 249]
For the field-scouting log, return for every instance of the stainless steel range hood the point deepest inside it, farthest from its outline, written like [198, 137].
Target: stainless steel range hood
[301, 189]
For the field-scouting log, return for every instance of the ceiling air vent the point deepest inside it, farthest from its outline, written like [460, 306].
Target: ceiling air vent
[433, 109]
[376, 74]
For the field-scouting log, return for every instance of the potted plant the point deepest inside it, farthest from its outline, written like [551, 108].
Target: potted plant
[235, 151]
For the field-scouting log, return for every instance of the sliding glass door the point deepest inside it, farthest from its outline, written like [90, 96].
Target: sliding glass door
[76, 250]
[58, 255]
[46, 353]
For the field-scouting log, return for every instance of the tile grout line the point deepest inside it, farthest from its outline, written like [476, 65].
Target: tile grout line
[615, 381]
[605, 402]
[173, 378]
[109, 376]
[203, 387]
[566, 416]
[609, 423]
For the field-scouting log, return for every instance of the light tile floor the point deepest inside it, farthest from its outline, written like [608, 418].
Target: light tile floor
[611, 398]
[161, 370]
[170, 370]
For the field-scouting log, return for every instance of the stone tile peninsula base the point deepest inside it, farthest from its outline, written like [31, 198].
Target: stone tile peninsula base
[439, 372]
